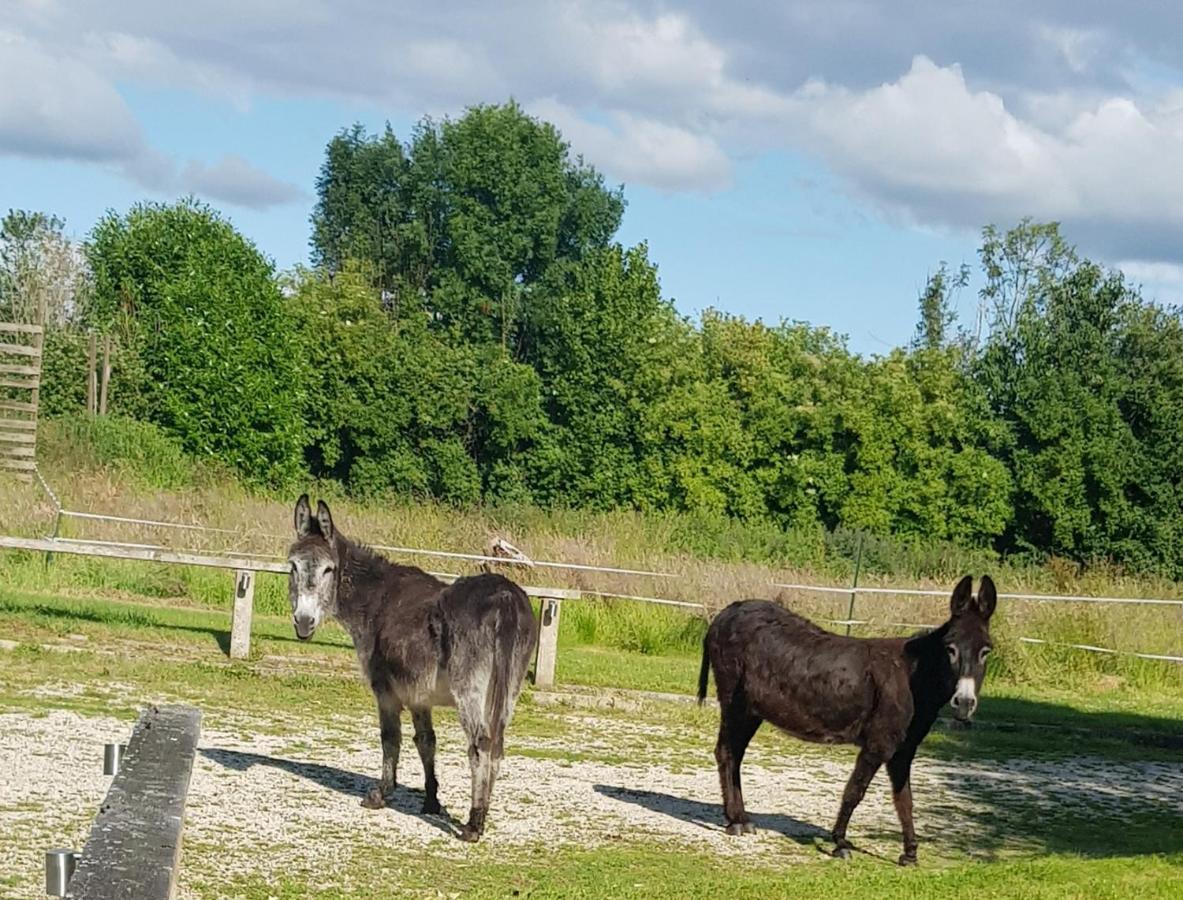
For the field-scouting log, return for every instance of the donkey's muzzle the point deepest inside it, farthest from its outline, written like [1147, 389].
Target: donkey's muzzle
[305, 626]
[964, 707]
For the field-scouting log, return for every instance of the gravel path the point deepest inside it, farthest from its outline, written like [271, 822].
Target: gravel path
[287, 804]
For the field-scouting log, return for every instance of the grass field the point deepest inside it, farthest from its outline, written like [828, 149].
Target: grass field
[1070, 784]
[1103, 824]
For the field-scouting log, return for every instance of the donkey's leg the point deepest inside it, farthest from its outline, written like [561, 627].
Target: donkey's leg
[471, 707]
[425, 744]
[736, 728]
[390, 724]
[865, 767]
[899, 767]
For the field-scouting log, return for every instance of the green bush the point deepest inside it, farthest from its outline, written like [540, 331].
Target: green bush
[208, 353]
[142, 451]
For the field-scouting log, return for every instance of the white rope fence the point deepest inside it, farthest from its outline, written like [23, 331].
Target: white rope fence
[699, 608]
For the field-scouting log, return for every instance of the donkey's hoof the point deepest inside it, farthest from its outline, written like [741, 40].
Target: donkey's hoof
[374, 799]
[739, 828]
[841, 853]
[468, 834]
[907, 859]
[431, 807]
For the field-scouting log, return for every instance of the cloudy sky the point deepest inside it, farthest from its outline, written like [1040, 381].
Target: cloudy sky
[805, 160]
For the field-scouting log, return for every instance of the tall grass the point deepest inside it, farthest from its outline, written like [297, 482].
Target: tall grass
[129, 468]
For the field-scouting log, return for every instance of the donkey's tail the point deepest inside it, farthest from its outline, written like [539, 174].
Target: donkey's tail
[703, 673]
[501, 676]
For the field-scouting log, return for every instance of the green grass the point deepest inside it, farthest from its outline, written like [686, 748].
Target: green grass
[133, 654]
[661, 872]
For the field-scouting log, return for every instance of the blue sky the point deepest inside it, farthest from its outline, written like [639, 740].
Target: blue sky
[806, 160]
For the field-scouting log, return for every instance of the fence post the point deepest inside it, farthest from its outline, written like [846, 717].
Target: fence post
[548, 643]
[240, 622]
[858, 564]
[92, 379]
[106, 375]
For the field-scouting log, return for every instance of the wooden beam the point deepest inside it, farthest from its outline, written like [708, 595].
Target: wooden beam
[9, 369]
[63, 545]
[20, 328]
[134, 848]
[15, 437]
[20, 424]
[548, 643]
[15, 406]
[150, 554]
[240, 619]
[10, 349]
[18, 451]
[92, 380]
[17, 383]
[19, 465]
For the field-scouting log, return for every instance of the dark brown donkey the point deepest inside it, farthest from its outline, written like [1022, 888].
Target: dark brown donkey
[421, 643]
[881, 694]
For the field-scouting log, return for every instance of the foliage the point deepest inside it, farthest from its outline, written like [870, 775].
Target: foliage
[207, 350]
[390, 408]
[465, 219]
[43, 275]
[473, 334]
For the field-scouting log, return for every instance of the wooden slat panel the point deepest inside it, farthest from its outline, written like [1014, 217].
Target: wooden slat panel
[20, 328]
[9, 369]
[13, 437]
[18, 349]
[23, 465]
[6, 450]
[16, 406]
[31, 384]
[19, 424]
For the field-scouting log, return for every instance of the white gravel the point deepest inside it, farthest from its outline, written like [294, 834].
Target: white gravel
[283, 805]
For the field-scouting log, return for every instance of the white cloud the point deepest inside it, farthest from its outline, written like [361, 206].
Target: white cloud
[642, 150]
[931, 147]
[948, 115]
[57, 107]
[53, 106]
[234, 180]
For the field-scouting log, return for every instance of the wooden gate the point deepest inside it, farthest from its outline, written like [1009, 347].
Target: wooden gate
[20, 393]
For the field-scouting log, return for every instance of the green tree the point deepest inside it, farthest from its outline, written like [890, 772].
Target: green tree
[1083, 374]
[393, 409]
[465, 219]
[207, 351]
[937, 314]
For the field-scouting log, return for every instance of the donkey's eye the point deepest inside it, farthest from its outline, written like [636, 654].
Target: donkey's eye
[952, 653]
[328, 570]
[985, 652]
[293, 568]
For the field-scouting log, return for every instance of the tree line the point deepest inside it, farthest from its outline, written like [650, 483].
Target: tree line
[470, 330]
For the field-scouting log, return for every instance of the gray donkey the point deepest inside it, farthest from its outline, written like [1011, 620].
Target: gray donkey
[421, 643]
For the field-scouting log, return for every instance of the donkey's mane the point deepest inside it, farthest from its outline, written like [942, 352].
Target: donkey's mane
[366, 561]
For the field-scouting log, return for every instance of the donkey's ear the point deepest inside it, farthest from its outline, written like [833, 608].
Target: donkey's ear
[962, 596]
[987, 597]
[305, 524]
[324, 519]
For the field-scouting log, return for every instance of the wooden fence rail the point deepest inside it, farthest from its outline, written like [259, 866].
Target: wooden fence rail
[244, 570]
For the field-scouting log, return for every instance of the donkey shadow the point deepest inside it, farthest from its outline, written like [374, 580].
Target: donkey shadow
[710, 815]
[406, 800]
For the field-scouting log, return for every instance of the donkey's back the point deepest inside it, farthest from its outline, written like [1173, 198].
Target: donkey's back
[488, 631]
[812, 683]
